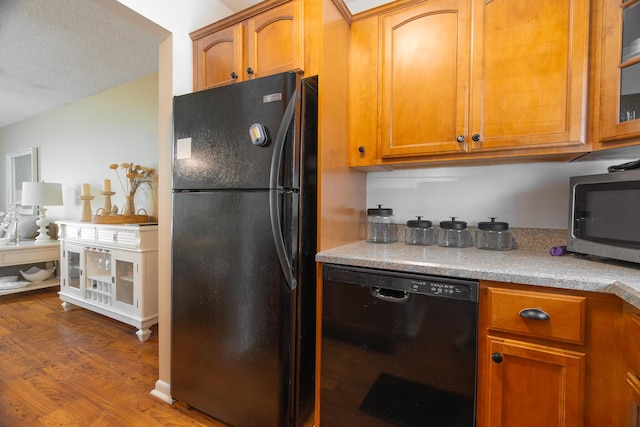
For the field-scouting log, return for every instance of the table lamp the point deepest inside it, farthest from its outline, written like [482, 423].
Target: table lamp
[41, 194]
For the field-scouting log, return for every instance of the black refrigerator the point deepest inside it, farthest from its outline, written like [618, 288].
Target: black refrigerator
[243, 247]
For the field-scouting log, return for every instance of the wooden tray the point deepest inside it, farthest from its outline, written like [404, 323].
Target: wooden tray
[119, 219]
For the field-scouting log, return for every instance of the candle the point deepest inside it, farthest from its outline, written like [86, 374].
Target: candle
[86, 190]
[106, 185]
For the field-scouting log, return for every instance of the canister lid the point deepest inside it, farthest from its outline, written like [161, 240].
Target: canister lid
[380, 211]
[453, 224]
[493, 225]
[419, 223]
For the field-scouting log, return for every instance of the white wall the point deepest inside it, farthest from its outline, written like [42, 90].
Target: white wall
[357, 6]
[524, 195]
[77, 143]
[180, 18]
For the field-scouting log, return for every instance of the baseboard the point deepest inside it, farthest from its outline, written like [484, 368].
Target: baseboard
[163, 391]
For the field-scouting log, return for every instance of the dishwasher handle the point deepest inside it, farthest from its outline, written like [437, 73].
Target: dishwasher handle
[390, 295]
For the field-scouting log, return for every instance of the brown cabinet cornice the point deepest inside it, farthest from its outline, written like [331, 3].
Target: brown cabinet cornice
[236, 18]
[255, 10]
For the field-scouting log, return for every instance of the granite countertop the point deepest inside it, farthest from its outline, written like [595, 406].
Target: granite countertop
[522, 266]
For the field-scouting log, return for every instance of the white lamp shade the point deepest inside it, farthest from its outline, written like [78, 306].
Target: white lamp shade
[41, 194]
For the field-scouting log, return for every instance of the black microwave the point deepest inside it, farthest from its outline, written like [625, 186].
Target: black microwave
[604, 215]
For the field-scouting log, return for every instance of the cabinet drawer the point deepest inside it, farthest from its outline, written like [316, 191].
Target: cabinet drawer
[564, 315]
[119, 237]
[78, 233]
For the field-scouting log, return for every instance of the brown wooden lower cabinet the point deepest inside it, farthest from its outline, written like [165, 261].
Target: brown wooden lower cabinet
[631, 338]
[523, 376]
[632, 400]
[553, 357]
[538, 366]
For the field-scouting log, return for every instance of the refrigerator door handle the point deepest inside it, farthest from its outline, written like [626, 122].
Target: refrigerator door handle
[274, 206]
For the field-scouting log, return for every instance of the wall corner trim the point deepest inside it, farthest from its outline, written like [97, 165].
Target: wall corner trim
[163, 391]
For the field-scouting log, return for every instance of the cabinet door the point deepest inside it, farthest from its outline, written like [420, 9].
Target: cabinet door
[529, 74]
[424, 78]
[533, 385]
[72, 269]
[275, 41]
[632, 404]
[125, 281]
[218, 58]
[620, 91]
[363, 92]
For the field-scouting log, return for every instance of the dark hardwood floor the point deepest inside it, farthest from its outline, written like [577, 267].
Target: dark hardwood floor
[78, 368]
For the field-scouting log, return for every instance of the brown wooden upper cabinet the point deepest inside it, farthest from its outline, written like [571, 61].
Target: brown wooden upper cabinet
[266, 43]
[424, 77]
[620, 79]
[218, 58]
[515, 85]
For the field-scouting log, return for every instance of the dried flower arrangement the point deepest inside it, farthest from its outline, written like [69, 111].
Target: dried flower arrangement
[136, 177]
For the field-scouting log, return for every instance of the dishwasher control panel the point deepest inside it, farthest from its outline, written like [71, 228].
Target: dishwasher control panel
[440, 288]
[449, 287]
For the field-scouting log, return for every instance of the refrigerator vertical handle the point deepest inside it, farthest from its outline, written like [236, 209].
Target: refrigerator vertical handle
[274, 206]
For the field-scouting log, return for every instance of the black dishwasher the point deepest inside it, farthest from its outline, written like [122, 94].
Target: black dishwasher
[398, 349]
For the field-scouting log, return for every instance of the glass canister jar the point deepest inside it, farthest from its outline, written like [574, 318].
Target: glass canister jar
[454, 234]
[381, 225]
[420, 232]
[494, 236]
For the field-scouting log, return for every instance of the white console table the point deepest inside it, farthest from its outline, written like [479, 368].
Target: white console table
[112, 270]
[28, 252]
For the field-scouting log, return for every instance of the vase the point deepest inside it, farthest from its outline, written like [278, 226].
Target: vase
[129, 206]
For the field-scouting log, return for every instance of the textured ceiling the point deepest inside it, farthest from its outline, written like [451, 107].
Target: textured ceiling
[53, 53]
[56, 52]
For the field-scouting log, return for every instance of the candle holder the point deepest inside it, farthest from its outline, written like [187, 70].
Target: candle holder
[86, 208]
[107, 202]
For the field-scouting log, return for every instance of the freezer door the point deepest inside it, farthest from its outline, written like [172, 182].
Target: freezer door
[214, 138]
[232, 310]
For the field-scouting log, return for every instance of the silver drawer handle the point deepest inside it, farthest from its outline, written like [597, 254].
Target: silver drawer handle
[534, 314]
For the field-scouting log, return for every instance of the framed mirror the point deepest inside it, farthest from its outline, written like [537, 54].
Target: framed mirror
[21, 166]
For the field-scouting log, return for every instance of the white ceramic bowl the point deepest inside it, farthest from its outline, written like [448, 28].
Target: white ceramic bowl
[35, 274]
[4, 241]
[13, 285]
[5, 279]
